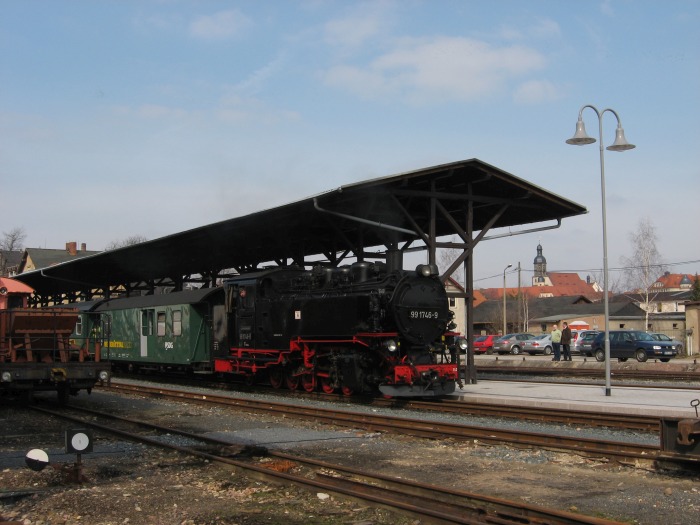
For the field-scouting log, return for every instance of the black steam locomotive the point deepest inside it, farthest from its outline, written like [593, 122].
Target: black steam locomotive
[356, 329]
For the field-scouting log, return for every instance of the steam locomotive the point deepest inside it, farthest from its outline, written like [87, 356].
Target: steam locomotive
[354, 329]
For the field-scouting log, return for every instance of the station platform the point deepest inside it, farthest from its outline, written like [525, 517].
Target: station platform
[660, 402]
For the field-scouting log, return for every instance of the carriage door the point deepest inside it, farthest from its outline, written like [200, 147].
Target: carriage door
[147, 322]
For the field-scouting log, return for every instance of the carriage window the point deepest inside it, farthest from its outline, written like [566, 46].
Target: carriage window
[161, 323]
[79, 326]
[177, 322]
[147, 322]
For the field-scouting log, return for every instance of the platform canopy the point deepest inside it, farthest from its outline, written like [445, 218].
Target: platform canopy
[360, 221]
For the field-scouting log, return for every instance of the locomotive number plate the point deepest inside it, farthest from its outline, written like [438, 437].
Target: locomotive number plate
[423, 314]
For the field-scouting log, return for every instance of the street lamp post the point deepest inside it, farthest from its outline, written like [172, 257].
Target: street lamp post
[504, 298]
[580, 139]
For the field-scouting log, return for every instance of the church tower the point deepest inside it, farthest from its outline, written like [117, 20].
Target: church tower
[540, 263]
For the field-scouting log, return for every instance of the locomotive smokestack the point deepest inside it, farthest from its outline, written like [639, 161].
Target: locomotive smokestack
[394, 260]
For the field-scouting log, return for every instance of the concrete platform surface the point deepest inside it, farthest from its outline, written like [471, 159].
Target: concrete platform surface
[661, 402]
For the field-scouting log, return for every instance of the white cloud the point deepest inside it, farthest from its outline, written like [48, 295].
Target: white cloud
[442, 68]
[234, 108]
[545, 28]
[367, 83]
[260, 76]
[536, 92]
[362, 24]
[606, 8]
[220, 26]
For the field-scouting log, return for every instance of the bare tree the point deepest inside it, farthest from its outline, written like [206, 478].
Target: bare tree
[645, 266]
[12, 241]
[129, 241]
[446, 256]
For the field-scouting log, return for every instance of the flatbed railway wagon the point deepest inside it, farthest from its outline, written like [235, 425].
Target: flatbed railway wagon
[45, 349]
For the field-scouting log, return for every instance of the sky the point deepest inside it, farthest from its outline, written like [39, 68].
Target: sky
[151, 117]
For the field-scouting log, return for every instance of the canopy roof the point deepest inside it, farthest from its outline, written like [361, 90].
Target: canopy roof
[400, 212]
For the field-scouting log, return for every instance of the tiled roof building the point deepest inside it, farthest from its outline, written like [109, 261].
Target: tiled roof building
[673, 282]
[37, 258]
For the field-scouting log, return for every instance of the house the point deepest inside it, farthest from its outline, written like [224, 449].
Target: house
[543, 312]
[553, 297]
[692, 312]
[674, 282]
[38, 258]
[657, 302]
[548, 284]
[558, 296]
[458, 304]
[668, 294]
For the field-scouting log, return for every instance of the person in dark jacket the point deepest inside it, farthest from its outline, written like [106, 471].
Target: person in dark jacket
[566, 342]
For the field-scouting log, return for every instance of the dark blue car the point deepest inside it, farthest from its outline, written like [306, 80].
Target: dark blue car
[633, 343]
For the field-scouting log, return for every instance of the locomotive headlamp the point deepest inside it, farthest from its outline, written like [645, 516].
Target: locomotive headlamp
[7, 377]
[104, 375]
[426, 270]
[391, 345]
[463, 344]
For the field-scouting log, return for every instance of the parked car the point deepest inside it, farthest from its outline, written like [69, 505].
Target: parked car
[633, 343]
[484, 344]
[667, 339]
[574, 337]
[541, 344]
[511, 343]
[583, 343]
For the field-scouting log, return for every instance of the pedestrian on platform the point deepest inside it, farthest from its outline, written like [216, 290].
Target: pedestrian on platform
[556, 342]
[566, 342]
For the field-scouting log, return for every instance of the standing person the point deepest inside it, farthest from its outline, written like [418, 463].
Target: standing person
[556, 341]
[566, 342]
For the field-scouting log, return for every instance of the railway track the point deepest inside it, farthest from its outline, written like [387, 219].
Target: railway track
[548, 415]
[460, 408]
[409, 426]
[430, 503]
[655, 375]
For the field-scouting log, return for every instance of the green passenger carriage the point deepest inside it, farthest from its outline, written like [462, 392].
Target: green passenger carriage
[180, 331]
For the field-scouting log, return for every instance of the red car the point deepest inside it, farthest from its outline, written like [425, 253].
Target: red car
[484, 344]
